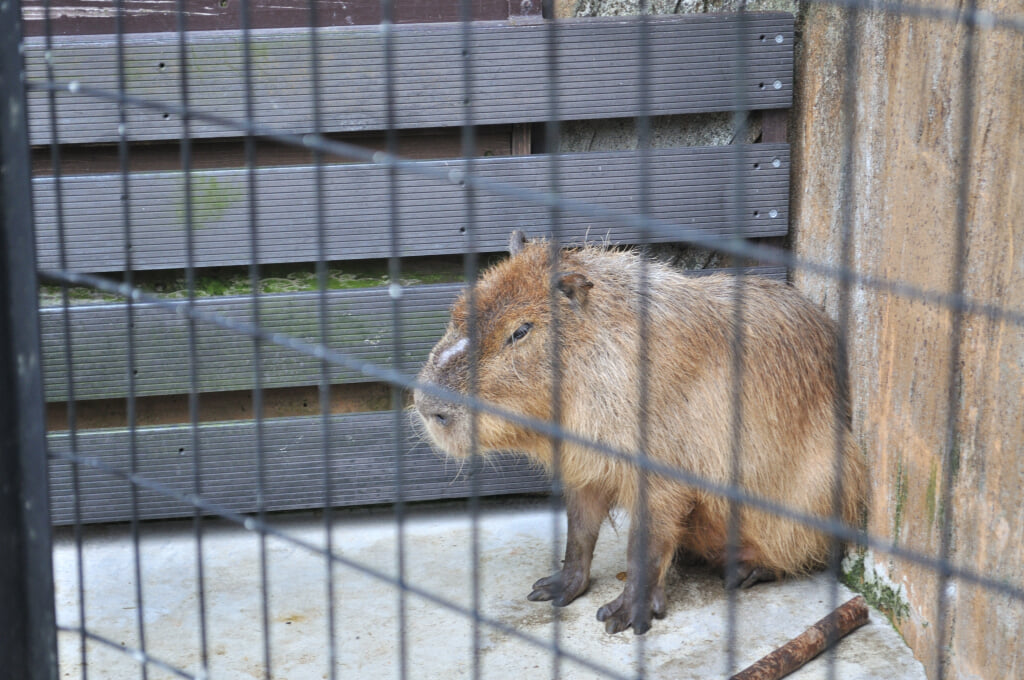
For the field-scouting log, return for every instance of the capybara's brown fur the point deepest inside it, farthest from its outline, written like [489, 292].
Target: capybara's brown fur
[788, 437]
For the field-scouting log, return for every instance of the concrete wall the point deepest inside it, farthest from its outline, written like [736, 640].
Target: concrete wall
[907, 152]
[910, 92]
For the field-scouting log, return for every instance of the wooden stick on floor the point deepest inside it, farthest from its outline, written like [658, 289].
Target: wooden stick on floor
[808, 644]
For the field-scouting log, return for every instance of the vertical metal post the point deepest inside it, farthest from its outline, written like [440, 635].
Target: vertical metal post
[28, 641]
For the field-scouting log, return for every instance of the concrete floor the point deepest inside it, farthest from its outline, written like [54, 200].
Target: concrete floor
[515, 548]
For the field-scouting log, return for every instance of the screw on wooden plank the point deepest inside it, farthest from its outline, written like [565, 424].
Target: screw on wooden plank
[808, 644]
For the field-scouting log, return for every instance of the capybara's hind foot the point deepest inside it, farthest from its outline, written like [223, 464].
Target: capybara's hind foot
[561, 587]
[627, 610]
[747, 575]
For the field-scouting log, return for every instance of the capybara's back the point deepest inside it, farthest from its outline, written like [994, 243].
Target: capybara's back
[646, 361]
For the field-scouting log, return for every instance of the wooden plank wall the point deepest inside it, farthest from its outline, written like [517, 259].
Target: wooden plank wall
[598, 76]
[361, 470]
[83, 205]
[688, 186]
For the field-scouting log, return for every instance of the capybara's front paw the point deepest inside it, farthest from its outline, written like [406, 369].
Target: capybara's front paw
[626, 611]
[561, 587]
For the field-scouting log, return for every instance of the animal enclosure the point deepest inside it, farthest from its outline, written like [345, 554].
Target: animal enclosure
[250, 222]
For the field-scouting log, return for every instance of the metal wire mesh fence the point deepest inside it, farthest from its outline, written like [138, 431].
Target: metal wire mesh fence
[249, 144]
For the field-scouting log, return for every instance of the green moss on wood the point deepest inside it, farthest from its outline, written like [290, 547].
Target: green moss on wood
[212, 197]
[224, 281]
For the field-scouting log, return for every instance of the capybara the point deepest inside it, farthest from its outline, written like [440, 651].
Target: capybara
[787, 440]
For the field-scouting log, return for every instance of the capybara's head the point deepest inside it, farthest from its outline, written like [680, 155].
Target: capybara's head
[499, 347]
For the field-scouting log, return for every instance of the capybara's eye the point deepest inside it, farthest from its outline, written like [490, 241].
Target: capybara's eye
[521, 332]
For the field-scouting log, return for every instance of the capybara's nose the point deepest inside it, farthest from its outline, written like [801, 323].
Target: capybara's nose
[433, 410]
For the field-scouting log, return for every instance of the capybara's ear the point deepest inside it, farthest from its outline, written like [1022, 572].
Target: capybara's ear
[575, 286]
[516, 242]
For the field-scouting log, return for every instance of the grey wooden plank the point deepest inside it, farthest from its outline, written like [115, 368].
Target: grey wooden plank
[688, 186]
[361, 468]
[359, 325]
[694, 60]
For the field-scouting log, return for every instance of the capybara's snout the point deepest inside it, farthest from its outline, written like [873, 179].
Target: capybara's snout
[434, 411]
[446, 422]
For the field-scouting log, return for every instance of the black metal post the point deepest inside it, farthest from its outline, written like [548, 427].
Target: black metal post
[28, 638]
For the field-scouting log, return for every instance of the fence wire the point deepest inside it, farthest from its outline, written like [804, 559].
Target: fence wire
[464, 172]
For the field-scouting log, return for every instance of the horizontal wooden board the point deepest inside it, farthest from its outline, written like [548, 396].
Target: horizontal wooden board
[361, 468]
[697, 63]
[89, 17]
[360, 325]
[735, 191]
